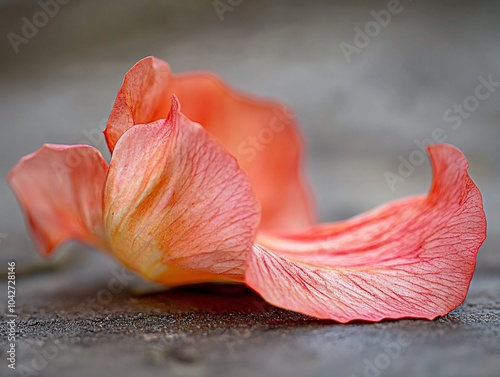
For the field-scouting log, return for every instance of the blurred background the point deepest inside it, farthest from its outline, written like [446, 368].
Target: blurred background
[369, 82]
[361, 101]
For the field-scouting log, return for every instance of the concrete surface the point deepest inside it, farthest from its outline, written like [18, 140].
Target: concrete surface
[358, 117]
[71, 325]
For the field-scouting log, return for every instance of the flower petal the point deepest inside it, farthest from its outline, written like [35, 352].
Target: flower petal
[178, 209]
[60, 189]
[143, 97]
[262, 135]
[410, 258]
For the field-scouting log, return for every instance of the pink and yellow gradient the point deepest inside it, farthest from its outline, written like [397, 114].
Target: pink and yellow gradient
[179, 204]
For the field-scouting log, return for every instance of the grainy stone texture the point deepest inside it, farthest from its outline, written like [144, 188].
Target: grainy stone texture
[70, 325]
[357, 118]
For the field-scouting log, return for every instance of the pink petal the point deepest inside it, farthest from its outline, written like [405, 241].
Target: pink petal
[178, 209]
[410, 258]
[262, 135]
[60, 189]
[144, 97]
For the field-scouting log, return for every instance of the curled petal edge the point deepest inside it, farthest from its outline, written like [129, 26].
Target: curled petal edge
[262, 135]
[409, 258]
[60, 190]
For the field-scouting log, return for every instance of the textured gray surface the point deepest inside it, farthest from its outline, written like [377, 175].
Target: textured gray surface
[70, 327]
[357, 117]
